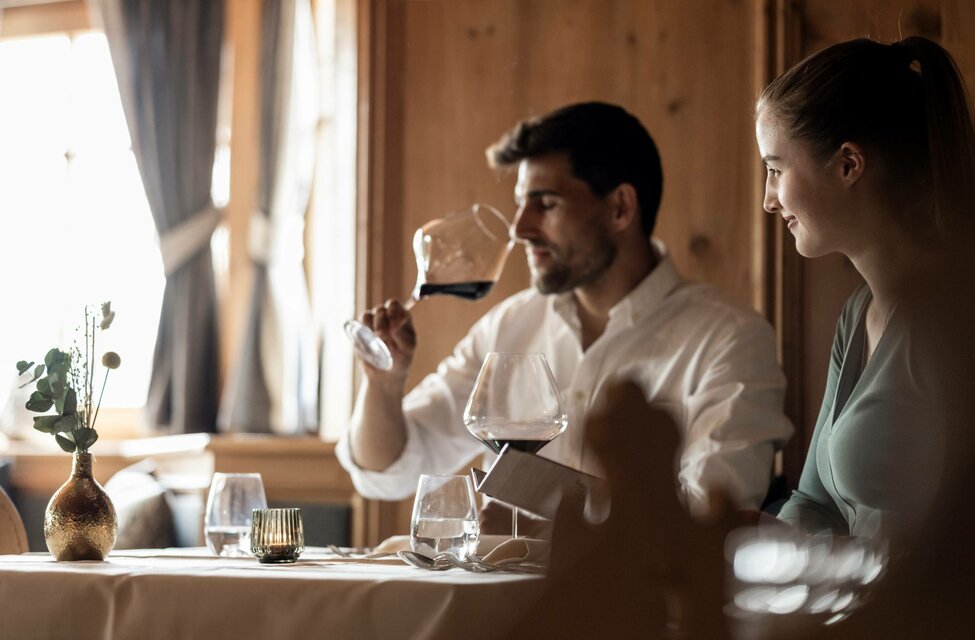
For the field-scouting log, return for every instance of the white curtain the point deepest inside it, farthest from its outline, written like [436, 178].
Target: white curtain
[273, 384]
[167, 62]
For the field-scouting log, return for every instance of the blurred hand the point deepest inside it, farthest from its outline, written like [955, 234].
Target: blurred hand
[394, 325]
[650, 570]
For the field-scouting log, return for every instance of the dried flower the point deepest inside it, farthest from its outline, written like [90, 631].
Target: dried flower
[111, 360]
[107, 316]
[68, 387]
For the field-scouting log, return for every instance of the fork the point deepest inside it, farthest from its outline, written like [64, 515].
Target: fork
[444, 561]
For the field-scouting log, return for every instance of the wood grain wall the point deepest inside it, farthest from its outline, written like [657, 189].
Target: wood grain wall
[456, 74]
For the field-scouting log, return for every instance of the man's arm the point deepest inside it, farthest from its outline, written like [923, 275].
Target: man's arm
[423, 431]
[735, 419]
[810, 507]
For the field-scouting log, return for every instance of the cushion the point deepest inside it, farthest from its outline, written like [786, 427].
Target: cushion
[145, 520]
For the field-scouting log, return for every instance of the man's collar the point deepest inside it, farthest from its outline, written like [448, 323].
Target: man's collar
[644, 298]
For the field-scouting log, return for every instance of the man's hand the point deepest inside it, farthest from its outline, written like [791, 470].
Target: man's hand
[378, 432]
[394, 325]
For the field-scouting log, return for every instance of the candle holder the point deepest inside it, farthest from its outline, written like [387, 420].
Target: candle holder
[277, 535]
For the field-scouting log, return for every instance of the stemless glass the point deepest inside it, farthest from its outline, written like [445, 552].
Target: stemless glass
[444, 517]
[459, 255]
[227, 524]
[515, 402]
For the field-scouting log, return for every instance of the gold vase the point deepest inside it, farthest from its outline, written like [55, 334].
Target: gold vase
[80, 522]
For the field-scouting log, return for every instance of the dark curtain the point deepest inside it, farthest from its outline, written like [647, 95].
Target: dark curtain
[167, 61]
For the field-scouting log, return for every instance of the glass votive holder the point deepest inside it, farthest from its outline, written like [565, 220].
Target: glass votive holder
[277, 535]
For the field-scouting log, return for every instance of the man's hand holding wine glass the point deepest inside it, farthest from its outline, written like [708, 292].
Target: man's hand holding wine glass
[393, 324]
[460, 255]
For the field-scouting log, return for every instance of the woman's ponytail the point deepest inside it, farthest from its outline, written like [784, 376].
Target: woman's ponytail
[951, 136]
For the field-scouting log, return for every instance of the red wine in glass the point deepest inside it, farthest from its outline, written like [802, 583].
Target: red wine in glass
[466, 290]
[528, 446]
[515, 401]
[461, 255]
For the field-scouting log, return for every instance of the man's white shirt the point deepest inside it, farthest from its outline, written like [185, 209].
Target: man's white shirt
[710, 363]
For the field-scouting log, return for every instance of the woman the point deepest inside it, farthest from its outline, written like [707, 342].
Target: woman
[870, 152]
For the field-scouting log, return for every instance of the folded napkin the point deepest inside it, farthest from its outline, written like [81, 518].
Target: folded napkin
[517, 550]
[492, 549]
[392, 544]
[485, 544]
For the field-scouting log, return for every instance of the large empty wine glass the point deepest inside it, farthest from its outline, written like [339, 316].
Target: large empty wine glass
[460, 255]
[515, 402]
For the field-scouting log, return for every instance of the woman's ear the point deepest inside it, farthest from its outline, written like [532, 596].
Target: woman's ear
[626, 208]
[852, 162]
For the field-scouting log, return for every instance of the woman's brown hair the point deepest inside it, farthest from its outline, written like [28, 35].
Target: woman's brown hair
[904, 102]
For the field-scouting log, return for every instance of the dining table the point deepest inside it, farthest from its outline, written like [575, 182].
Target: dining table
[190, 593]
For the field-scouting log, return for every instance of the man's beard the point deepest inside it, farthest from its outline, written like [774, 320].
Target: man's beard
[564, 276]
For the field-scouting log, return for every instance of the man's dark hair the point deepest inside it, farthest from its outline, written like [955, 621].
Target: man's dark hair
[606, 147]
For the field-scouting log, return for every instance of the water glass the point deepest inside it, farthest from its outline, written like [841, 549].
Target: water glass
[444, 517]
[227, 524]
[277, 535]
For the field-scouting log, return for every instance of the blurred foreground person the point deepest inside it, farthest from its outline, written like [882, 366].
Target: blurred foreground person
[650, 570]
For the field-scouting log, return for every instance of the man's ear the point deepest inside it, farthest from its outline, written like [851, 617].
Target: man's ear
[626, 207]
[851, 162]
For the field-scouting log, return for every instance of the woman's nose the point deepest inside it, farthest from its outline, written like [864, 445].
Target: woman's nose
[771, 203]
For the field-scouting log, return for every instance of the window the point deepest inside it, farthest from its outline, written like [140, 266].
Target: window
[75, 227]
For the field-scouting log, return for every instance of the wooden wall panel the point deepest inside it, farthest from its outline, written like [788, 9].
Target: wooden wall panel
[460, 73]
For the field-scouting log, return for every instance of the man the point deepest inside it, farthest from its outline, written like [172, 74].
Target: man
[607, 303]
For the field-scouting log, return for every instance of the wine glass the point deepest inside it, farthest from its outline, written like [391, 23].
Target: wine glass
[515, 402]
[227, 525]
[461, 255]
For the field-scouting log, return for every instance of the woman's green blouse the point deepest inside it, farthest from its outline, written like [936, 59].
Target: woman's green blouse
[875, 457]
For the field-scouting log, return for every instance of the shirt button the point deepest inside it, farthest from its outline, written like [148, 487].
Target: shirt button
[580, 396]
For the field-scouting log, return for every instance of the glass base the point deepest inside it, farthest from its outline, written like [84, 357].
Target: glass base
[290, 559]
[368, 346]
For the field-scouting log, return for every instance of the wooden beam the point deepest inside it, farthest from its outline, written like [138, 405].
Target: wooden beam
[41, 19]
[243, 39]
[784, 271]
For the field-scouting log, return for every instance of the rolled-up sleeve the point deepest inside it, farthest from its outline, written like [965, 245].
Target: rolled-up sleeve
[436, 438]
[734, 417]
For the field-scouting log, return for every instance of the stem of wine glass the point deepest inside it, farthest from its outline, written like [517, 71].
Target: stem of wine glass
[409, 302]
[514, 522]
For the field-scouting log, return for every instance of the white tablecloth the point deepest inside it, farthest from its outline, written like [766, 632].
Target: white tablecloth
[186, 593]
